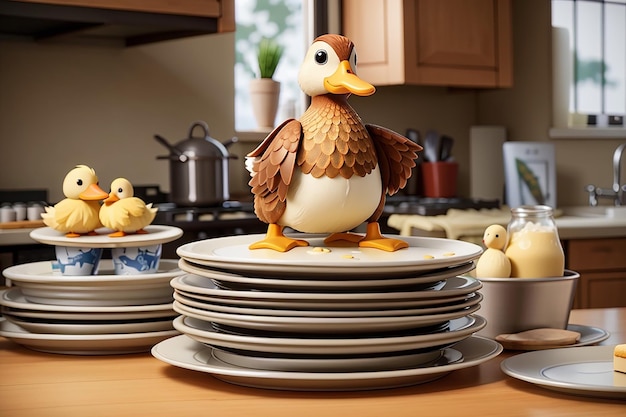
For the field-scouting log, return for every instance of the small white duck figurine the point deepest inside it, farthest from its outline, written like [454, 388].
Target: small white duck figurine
[328, 172]
[493, 263]
[123, 212]
[77, 214]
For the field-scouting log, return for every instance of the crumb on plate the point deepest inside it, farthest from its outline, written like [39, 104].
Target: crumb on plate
[319, 249]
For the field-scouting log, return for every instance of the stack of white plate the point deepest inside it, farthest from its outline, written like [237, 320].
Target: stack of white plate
[90, 315]
[326, 318]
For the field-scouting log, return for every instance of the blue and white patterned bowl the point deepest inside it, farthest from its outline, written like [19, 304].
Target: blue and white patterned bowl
[77, 261]
[136, 260]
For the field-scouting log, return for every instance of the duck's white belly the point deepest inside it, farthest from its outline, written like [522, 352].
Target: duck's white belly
[330, 205]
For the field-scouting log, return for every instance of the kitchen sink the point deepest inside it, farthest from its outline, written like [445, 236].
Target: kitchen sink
[594, 211]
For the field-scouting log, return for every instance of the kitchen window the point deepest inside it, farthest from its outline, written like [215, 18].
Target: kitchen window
[589, 57]
[287, 22]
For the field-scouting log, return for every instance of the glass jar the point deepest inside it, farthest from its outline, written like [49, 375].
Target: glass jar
[534, 248]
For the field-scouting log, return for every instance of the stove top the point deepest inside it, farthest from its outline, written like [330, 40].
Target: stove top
[427, 206]
[171, 212]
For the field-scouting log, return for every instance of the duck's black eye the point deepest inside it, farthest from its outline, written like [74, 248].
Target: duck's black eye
[79, 182]
[497, 235]
[119, 190]
[321, 57]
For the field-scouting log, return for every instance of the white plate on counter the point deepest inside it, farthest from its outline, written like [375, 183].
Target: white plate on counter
[78, 328]
[78, 316]
[39, 285]
[333, 282]
[186, 353]
[452, 287]
[42, 273]
[332, 306]
[584, 371]
[343, 363]
[14, 298]
[156, 234]
[96, 344]
[204, 332]
[423, 254]
[471, 300]
[325, 325]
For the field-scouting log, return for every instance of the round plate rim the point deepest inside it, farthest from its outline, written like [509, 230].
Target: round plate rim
[156, 234]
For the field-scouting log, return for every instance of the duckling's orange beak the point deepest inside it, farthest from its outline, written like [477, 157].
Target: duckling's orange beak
[93, 192]
[112, 198]
[345, 81]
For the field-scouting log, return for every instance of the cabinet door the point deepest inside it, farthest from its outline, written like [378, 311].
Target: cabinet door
[206, 8]
[602, 268]
[432, 42]
[375, 27]
[459, 42]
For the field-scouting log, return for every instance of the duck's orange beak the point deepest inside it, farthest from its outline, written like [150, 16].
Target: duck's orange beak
[112, 198]
[93, 192]
[344, 81]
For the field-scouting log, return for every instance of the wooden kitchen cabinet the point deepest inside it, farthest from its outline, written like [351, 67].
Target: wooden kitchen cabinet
[133, 22]
[601, 264]
[431, 42]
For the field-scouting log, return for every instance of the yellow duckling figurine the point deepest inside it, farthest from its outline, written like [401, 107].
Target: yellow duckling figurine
[124, 212]
[328, 172]
[77, 214]
[493, 263]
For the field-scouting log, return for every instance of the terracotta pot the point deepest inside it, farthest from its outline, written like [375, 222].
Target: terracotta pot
[264, 94]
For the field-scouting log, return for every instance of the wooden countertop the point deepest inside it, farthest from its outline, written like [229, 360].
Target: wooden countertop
[40, 384]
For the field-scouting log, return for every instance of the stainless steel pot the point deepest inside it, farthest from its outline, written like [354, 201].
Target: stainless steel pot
[198, 168]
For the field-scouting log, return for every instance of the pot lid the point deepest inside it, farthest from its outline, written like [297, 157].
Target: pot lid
[201, 146]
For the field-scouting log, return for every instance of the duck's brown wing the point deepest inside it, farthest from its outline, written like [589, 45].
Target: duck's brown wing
[273, 168]
[396, 156]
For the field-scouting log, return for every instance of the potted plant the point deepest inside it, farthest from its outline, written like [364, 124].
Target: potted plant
[264, 90]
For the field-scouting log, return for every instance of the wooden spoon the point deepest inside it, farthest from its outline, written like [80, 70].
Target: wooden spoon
[537, 339]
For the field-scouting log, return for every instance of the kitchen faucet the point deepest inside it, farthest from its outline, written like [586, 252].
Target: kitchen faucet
[618, 189]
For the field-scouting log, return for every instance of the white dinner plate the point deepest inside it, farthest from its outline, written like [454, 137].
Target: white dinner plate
[204, 332]
[333, 282]
[42, 273]
[14, 298]
[78, 328]
[79, 316]
[324, 325]
[156, 234]
[343, 363]
[333, 306]
[40, 285]
[186, 353]
[471, 300]
[452, 287]
[423, 254]
[95, 344]
[584, 371]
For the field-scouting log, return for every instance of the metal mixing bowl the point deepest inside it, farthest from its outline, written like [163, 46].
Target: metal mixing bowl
[513, 305]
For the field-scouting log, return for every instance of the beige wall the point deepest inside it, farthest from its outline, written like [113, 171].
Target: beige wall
[61, 105]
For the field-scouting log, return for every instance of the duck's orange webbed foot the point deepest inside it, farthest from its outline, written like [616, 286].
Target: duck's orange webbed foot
[374, 239]
[119, 233]
[343, 237]
[276, 240]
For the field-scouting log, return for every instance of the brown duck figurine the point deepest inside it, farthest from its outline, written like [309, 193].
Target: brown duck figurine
[328, 172]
